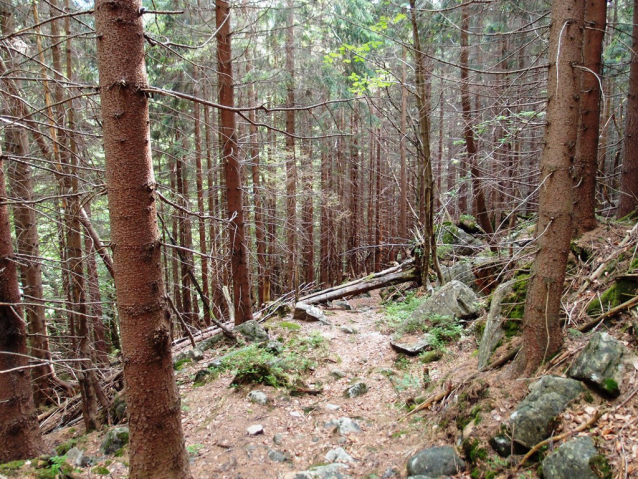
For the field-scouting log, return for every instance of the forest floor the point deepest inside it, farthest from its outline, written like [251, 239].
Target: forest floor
[299, 430]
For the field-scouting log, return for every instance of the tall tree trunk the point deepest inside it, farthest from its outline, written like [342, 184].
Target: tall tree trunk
[482, 216]
[586, 159]
[629, 175]
[542, 333]
[403, 198]
[157, 439]
[232, 168]
[354, 220]
[291, 158]
[28, 242]
[20, 436]
[308, 216]
[426, 183]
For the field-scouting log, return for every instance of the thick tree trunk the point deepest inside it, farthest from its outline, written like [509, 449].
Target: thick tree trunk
[403, 178]
[542, 333]
[586, 158]
[232, 167]
[629, 176]
[157, 439]
[20, 436]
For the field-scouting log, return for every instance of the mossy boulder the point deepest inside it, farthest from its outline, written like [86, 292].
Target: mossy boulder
[600, 364]
[535, 417]
[453, 299]
[462, 243]
[576, 459]
[115, 440]
[435, 462]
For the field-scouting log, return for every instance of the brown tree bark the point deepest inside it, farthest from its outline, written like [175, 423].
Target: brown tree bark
[425, 179]
[20, 436]
[403, 195]
[482, 216]
[232, 168]
[156, 436]
[28, 243]
[291, 157]
[629, 175]
[586, 157]
[542, 333]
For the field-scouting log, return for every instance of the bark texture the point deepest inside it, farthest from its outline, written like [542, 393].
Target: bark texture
[629, 176]
[232, 167]
[542, 333]
[20, 436]
[586, 162]
[157, 440]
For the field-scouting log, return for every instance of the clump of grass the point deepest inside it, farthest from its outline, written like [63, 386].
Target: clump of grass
[399, 312]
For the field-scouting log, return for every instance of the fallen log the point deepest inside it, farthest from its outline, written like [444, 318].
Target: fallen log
[308, 299]
[362, 286]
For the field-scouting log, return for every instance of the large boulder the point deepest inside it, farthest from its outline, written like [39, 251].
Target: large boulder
[435, 462]
[453, 299]
[534, 418]
[493, 331]
[461, 271]
[308, 312]
[600, 364]
[253, 331]
[576, 459]
[462, 243]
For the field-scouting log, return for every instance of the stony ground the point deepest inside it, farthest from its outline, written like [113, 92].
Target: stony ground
[298, 431]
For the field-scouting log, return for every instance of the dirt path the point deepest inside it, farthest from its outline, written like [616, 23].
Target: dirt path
[216, 417]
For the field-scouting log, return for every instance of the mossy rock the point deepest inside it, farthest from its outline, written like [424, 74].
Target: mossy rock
[115, 440]
[100, 471]
[260, 374]
[65, 447]
[622, 290]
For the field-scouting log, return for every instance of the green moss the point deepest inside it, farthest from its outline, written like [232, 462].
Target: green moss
[179, 365]
[473, 451]
[600, 466]
[65, 447]
[611, 386]
[622, 290]
[11, 466]
[101, 471]
[512, 328]
[290, 326]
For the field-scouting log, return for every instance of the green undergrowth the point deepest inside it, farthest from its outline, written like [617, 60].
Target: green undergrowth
[396, 313]
[258, 364]
[622, 290]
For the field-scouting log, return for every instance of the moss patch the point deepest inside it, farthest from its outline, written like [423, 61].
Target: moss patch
[622, 290]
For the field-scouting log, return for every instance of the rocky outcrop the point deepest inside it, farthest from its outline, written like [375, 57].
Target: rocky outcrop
[253, 331]
[413, 348]
[115, 440]
[600, 364]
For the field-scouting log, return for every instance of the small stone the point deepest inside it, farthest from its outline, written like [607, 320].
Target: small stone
[503, 446]
[201, 375]
[277, 456]
[339, 455]
[348, 330]
[77, 458]
[412, 349]
[342, 304]
[296, 414]
[330, 471]
[332, 407]
[391, 472]
[316, 439]
[214, 364]
[435, 462]
[196, 355]
[344, 425]
[278, 439]
[337, 374]
[356, 390]
[258, 397]
[256, 429]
